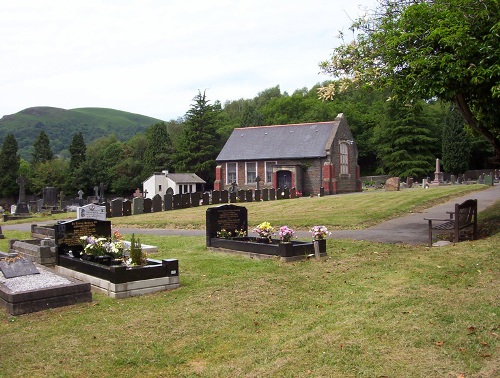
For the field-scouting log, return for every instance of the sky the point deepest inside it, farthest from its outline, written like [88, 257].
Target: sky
[151, 57]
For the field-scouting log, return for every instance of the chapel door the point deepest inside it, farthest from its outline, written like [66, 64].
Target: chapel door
[284, 179]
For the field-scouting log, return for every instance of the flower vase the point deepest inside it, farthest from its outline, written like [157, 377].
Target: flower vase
[317, 253]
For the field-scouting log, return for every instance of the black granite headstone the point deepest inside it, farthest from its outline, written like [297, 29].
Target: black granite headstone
[228, 217]
[67, 234]
[242, 195]
[265, 194]
[279, 193]
[177, 198]
[195, 199]
[156, 203]
[286, 193]
[186, 200]
[215, 197]
[167, 201]
[18, 268]
[257, 195]
[117, 207]
[249, 195]
[224, 196]
[293, 193]
[127, 208]
[206, 199]
[272, 194]
[147, 205]
[232, 197]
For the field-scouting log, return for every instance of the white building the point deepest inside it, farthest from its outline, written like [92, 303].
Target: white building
[180, 183]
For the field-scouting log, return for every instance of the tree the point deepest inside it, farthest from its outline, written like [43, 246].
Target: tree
[456, 143]
[423, 49]
[9, 166]
[403, 142]
[78, 151]
[159, 149]
[42, 151]
[50, 173]
[199, 143]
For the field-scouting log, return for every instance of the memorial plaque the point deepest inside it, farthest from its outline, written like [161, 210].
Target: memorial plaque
[156, 203]
[18, 268]
[67, 234]
[224, 196]
[91, 211]
[228, 217]
[147, 205]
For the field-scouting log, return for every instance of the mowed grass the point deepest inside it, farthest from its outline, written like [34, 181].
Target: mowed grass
[367, 310]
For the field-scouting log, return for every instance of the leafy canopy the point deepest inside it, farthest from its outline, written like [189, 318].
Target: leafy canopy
[424, 49]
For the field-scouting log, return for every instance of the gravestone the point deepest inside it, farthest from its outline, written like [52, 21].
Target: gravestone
[322, 191]
[18, 268]
[241, 195]
[186, 200]
[177, 201]
[195, 199]
[392, 184]
[257, 182]
[488, 180]
[249, 195]
[215, 197]
[127, 208]
[137, 193]
[67, 234]
[293, 193]
[265, 194]
[168, 202]
[453, 180]
[286, 193]
[91, 211]
[224, 196]
[147, 205]
[107, 205]
[22, 207]
[117, 207]
[156, 203]
[257, 195]
[272, 194]
[49, 195]
[480, 180]
[206, 199]
[80, 197]
[409, 182]
[138, 205]
[232, 197]
[438, 175]
[228, 217]
[279, 193]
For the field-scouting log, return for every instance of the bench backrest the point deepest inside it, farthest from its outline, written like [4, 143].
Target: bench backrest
[466, 212]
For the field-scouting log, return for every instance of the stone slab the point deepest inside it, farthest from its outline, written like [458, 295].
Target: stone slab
[18, 268]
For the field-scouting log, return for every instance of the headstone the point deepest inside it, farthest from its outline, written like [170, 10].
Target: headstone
[138, 205]
[241, 195]
[488, 180]
[286, 193]
[22, 207]
[293, 193]
[224, 196]
[438, 175]
[156, 203]
[206, 199]
[215, 197]
[272, 194]
[279, 193]
[147, 205]
[321, 191]
[409, 182]
[186, 200]
[249, 195]
[257, 195]
[49, 196]
[195, 199]
[257, 181]
[265, 194]
[392, 184]
[127, 208]
[107, 205]
[137, 193]
[96, 192]
[177, 201]
[117, 207]
[91, 211]
[459, 179]
[101, 191]
[2, 236]
[232, 197]
[67, 234]
[480, 180]
[80, 197]
[18, 268]
[168, 202]
[228, 217]
[453, 180]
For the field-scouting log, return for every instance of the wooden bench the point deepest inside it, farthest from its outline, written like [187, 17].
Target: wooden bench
[464, 217]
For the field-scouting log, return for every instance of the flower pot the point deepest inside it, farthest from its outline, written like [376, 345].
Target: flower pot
[317, 251]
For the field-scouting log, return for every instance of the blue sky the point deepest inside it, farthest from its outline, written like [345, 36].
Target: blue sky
[152, 57]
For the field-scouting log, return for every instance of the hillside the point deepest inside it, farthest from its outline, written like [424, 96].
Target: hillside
[60, 125]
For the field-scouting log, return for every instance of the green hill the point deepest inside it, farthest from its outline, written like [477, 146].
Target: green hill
[60, 125]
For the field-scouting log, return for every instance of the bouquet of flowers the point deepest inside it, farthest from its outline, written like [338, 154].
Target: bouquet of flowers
[286, 234]
[93, 245]
[319, 232]
[265, 230]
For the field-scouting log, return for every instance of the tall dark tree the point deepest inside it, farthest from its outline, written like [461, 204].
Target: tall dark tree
[456, 143]
[9, 166]
[199, 143]
[159, 150]
[78, 151]
[42, 151]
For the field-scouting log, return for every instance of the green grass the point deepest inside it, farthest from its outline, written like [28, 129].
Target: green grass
[367, 310]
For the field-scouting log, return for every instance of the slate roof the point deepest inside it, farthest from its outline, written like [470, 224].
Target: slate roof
[185, 178]
[304, 140]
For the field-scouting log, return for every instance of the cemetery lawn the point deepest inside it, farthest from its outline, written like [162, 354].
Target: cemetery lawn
[352, 211]
[367, 310]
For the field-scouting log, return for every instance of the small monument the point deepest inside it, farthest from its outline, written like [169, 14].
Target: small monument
[392, 184]
[22, 207]
[438, 175]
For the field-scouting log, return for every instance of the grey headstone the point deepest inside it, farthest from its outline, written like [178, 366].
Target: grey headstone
[156, 203]
[138, 205]
[18, 268]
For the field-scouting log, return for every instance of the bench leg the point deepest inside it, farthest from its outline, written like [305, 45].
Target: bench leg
[430, 233]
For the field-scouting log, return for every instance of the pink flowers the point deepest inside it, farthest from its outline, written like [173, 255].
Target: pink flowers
[319, 232]
[286, 234]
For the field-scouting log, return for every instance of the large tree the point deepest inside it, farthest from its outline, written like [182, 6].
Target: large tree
[42, 151]
[9, 166]
[159, 149]
[456, 143]
[78, 151]
[424, 49]
[199, 143]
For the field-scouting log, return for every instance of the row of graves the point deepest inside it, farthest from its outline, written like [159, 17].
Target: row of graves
[119, 207]
[63, 263]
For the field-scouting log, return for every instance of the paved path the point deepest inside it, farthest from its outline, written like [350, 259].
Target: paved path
[409, 229]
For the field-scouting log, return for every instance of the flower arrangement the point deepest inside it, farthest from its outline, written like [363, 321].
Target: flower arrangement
[265, 230]
[99, 246]
[224, 234]
[319, 232]
[286, 234]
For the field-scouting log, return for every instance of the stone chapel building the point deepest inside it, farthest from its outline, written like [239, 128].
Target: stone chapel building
[304, 156]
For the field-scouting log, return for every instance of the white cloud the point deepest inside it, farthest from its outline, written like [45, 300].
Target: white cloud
[151, 57]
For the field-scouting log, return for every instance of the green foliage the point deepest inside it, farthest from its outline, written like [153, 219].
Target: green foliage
[78, 151]
[456, 143]
[42, 152]
[53, 172]
[9, 166]
[159, 149]
[136, 251]
[200, 143]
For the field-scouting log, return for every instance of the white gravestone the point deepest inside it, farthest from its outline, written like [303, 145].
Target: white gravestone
[91, 211]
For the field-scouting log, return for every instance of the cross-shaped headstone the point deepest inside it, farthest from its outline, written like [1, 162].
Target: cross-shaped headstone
[21, 181]
[233, 187]
[137, 193]
[80, 194]
[258, 180]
